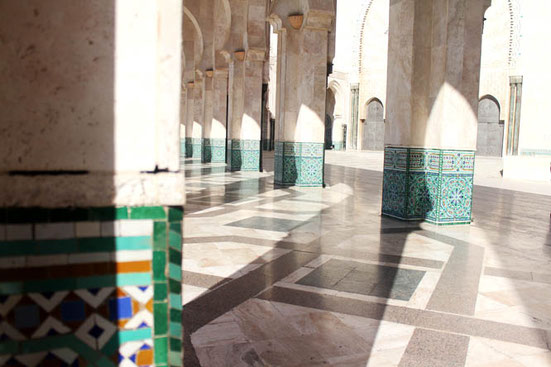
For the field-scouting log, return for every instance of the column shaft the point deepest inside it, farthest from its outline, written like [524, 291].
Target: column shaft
[244, 130]
[432, 99]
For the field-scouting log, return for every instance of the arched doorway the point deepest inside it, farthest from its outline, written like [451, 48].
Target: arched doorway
[329, 112]
[374, 126]
[490, 129]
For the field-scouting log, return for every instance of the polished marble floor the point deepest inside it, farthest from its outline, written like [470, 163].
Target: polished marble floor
[316, 277]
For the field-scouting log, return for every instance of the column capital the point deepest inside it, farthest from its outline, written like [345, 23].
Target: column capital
[256, 54]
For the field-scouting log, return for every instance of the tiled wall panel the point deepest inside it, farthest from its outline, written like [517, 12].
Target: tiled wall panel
[428, 184]
[91, 287]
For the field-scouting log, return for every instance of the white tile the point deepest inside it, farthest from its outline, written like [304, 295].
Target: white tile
[131, 255]
[88, 229]
[19, 232]
[136, 227]
[54, 231]
[97, 257]
[47, 260]
[12, 262]
[110, 229]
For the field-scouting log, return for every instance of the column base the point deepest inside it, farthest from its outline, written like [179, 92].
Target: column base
[182, 151]
[434, 185]
[214, 151]
[338, 145]
[188, 148]
[299, 164]
[91, 280]
[244, 155]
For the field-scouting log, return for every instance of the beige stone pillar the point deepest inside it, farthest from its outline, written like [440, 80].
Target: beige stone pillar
[217, 139]
[90, 183]
[198, 117]
[189, 119]
[302, 80]
[208, 106]
[432, 99]
[246, 111]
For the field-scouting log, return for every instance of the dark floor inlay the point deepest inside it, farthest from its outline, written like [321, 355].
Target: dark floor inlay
[267, 223]
[367, 279]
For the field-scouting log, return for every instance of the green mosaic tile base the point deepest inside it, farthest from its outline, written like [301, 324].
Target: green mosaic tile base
[196, 147]
[182, 151]
[244, 155]
[97, 303]
[188, 148]
[428, 184]
[299, 164]
[214, 151]
[338, 145]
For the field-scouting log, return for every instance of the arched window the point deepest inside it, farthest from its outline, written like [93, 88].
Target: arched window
[490, 130]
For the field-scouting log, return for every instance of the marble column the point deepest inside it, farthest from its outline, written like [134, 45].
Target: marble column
[302, 80]
[183, 121]
[432, 99]
[207, 117]
[91, 194]
[198, 117]
[246, 99]
[214, 128]
[189, 119]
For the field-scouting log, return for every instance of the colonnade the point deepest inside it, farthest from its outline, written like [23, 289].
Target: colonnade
[93, 100]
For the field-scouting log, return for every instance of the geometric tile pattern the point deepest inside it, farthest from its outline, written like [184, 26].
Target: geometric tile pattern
[106, 300]
[299, 164]
[188, 148]
[214, 150]
[244, 155]
[435, 185]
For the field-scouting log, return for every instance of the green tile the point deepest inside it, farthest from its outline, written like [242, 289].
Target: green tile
[107, 213]
[50, 285]
[175, 271]
[55, 247]
[175, 257]
[175, 328]
[105, 362]
[159, 235]
[11, 287]
[160, 292]
[175, 358]
[160, 317]
[175, 236]
[114, 244]
[175, 345]
[175, 315]
[148, 212]
[174, 286]
[175, 213]
[68, 215]
[160, 347]
[175, 300]
[14, 248]
[159, 265]
[133, 335]
[9, 347]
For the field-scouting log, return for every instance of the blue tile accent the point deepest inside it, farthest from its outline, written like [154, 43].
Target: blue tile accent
[27, 316]
[120, 308]
[73, 311]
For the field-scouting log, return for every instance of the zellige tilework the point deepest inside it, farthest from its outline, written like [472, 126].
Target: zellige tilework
[298, 164]
[77, 298]
[429, 184]
[244, 155]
